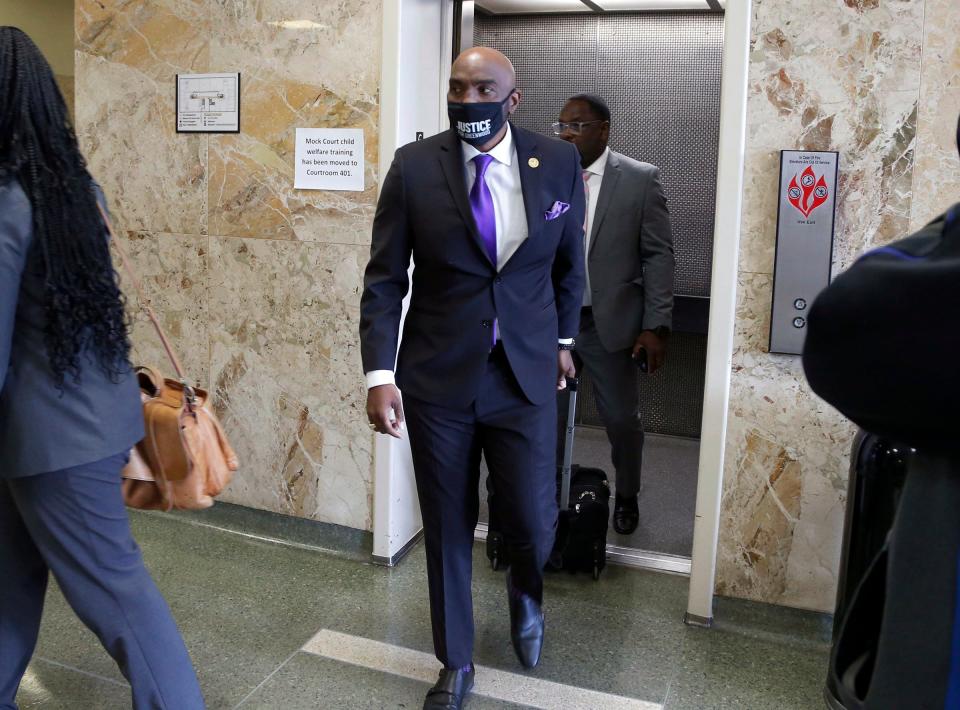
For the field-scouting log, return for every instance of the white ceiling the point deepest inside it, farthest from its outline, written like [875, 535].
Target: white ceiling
[545, 6]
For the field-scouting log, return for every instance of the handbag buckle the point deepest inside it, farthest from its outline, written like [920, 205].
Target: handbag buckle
[189, 394]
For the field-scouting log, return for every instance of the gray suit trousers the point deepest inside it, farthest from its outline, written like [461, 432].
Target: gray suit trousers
[614, 377]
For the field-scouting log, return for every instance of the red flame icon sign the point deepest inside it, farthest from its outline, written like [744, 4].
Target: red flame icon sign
[809, 193]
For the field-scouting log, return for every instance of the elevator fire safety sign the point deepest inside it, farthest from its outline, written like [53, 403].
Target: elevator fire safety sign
[208, 103]
[805, 224]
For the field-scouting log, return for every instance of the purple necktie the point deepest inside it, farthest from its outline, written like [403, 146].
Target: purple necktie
[481, 204]
[484, 215]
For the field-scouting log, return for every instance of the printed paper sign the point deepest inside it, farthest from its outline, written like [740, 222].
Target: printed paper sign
[329, 159]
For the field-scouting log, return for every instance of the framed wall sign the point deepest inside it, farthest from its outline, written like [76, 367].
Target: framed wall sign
[208, 103]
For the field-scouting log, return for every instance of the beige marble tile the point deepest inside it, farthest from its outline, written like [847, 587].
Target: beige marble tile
[251, 175]
[841, 49]
[841, 76]
[172, 270]
[763, 506]
[278, 319]
[784, 491]
[875, 189]
[158, 38]
[329, 43]
[288, 378]
[936, 182]
[785, 471]
[303, 64]
[154, 178]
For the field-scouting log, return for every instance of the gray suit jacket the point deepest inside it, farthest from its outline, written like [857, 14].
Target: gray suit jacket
[42, 428]
[630, 255]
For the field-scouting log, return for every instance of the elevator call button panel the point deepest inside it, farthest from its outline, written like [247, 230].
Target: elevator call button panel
[805, 224]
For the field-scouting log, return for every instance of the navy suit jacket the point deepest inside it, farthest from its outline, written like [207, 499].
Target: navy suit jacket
[882, 340]
[43, 428]
[424, 212]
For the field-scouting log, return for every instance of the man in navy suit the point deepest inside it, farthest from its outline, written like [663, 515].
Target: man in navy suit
[492, 216]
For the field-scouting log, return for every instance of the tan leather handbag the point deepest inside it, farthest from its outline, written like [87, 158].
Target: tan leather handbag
[184, 460]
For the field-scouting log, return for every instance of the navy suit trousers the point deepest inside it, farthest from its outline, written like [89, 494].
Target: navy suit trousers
[517, 440]
[73, 523]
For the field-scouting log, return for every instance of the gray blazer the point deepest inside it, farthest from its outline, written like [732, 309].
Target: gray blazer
[630, 254]
[42, 428]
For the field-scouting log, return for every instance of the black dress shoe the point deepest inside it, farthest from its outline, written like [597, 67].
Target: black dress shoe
[526, 626]
[626, 515]
[450, 690]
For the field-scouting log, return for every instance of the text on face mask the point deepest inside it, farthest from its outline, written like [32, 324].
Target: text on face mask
[474, 128]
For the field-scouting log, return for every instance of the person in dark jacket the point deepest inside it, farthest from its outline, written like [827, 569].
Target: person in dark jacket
[69, 404]
[883, 347]
[492, 216]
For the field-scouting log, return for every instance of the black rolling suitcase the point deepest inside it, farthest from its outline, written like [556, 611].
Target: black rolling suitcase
[581, 544]
[584, 495]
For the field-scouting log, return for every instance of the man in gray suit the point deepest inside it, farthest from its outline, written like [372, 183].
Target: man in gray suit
[628, 300]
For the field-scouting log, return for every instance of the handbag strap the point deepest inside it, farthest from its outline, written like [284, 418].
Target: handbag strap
[144, 301]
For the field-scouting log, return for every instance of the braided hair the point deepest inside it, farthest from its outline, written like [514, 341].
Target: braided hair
[84, 306]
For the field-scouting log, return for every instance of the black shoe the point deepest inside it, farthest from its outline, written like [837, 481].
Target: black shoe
[450, 690]
[526, 626]
[626, 515]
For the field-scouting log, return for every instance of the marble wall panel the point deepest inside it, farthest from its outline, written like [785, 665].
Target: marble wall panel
[936, 183]
[843, 76]
[127, 58]
[268, 323]
[319, 72]
[172, 270]
[785, 478]
[286, 364]
[830, 76]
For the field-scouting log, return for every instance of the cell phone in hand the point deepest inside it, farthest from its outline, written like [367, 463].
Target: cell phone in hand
[640, 358]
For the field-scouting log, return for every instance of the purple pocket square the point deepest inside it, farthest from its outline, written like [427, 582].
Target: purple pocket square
[558, 209]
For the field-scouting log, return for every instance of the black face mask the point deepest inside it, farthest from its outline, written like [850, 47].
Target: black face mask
[477, 123]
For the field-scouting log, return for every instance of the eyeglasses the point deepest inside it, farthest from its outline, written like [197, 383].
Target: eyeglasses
[573, 128]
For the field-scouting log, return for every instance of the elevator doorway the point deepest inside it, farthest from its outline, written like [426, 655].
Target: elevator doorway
[659, 72]
[405, 59]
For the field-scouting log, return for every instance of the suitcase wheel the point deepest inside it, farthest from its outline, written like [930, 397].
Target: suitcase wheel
[596, 572]
[495, 562]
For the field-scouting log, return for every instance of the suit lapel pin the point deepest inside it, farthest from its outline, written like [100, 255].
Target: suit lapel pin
[534, 162]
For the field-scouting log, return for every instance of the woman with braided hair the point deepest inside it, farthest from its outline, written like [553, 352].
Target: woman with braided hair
[69, 404]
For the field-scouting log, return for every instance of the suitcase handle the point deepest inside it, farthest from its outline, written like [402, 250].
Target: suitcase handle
[567, 465]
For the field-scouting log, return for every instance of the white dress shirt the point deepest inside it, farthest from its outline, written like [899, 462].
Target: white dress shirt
[503, 180]
[594, 182]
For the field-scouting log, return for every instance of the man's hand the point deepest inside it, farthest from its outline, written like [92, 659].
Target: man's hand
[656, 348]
[565, 369]
[383, 401]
